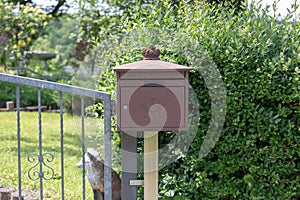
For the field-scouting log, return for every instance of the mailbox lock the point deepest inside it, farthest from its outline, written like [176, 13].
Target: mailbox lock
[125, 107]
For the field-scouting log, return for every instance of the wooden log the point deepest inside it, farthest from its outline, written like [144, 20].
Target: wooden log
[150, 166]
[5, 193]
[15, 196]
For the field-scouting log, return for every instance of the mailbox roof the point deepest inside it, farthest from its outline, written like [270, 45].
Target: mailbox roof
[151, 65]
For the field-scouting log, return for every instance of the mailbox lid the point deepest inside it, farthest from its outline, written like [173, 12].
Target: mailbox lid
[152, 69]
[151, 65]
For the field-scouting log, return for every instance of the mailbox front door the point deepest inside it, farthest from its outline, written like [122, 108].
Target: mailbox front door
[152, 108]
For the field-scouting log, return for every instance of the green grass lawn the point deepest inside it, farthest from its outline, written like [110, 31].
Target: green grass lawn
[51, 143]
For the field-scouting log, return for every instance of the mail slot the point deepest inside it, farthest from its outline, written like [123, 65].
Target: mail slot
[152, 95]
[153, 83]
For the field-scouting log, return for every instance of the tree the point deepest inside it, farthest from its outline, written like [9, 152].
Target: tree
[20, 27]
[58, 8]
[99, 19]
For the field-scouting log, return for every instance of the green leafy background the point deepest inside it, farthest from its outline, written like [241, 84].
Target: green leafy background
[257, 154]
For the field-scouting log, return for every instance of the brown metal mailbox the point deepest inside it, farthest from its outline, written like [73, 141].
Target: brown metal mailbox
[152, 95]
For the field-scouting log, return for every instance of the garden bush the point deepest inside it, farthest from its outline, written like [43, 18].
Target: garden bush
[257, 155]
[28, 95]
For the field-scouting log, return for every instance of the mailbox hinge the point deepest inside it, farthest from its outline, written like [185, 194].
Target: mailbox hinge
[113, 107]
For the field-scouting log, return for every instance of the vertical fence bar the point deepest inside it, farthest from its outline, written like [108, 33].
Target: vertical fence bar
[83, 148]
[107, 149]
[40, 143]
[19, 140]
[62, 146]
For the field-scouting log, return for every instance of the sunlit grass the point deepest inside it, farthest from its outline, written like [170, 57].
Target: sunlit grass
[51, 143]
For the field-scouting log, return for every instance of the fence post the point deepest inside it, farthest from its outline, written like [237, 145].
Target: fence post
[107, 149]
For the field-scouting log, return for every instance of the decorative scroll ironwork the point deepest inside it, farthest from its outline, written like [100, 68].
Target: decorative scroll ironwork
[33, 173]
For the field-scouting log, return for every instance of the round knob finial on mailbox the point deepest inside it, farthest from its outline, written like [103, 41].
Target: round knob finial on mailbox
[151, 53]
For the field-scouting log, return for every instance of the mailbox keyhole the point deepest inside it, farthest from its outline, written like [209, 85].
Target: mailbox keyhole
[125, 107]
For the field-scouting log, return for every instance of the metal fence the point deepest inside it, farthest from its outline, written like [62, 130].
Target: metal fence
[40, 156]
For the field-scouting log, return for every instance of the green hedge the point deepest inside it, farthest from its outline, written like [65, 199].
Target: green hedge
[258, 153]
[28, 95]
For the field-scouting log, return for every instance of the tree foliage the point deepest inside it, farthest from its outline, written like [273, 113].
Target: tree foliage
[20, 27]
[57, 9]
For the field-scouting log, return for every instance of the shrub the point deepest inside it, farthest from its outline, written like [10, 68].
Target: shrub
[257, 155]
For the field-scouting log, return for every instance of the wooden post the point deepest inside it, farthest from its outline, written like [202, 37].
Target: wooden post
[150, 165]
[10, 105]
